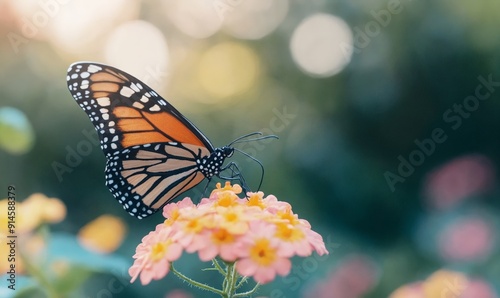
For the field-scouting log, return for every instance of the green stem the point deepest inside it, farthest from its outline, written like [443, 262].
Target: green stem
[218, 267]
[247, 294]
[233, 277]
[35, 272]
[242, 281]
[195, 283]
[230, 284]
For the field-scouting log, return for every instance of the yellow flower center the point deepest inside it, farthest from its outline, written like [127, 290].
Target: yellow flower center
[175, 214]
[255, 200]
[226, 199]
[263, 253]
[173, 217]
[288, 216]
[194, 225]
[231, 216]
[158, 250]
[221, 236]
[288, 233]
[234, 188]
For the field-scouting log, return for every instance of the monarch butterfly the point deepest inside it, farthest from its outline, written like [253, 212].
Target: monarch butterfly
[153, 153]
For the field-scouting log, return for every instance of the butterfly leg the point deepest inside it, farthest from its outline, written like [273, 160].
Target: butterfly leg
[235, 175]
[204, 195]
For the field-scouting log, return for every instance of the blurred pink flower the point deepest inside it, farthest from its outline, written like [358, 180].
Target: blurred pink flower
[466, 239]
[260, 255]
[179, 294]
[458, 179]
[479, 288]
[154, 255]
[354, 277]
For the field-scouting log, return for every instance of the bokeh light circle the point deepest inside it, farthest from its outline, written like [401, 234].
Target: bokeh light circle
[322, 45]
[228, 69]
[138, 47]
[16, 132]
[196, 18]
[78, 26]
[254, 19]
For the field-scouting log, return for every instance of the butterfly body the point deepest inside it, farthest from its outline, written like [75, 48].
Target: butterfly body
[153, 153]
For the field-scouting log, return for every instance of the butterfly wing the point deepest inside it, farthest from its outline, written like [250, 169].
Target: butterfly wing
[146, 177]
[150, 147]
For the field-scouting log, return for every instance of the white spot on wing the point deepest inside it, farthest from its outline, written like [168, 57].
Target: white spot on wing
[138, 105]
[103, 101]
[126, 91]
[134, 87]
[93, 68]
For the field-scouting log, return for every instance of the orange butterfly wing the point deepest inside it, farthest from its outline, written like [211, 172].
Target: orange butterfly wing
[153, 152]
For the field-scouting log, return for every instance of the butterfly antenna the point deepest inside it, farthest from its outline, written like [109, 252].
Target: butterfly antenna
[239, 140]
[257, 161]
[244, 137]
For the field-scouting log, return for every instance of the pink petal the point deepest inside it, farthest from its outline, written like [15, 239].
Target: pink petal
[316, 241]
[134, 271]
[264, 275]
[186, 202]
[197, 242]
[161, 269]
[246, 267]
[146, 277]
[207, 253]
[286, 249]
[303, 248]
[174, 252]
[282, 266]
[228, 252]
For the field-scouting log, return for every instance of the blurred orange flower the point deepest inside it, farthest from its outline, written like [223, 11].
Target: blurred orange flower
[446, 283]
[103, 235]
[35, 210]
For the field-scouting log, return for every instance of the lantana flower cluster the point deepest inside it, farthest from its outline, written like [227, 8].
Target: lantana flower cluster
[256, 234]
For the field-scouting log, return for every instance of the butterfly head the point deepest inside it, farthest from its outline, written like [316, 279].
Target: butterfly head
[227, 151]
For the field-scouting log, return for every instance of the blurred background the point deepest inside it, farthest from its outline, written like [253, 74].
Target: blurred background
[386, 110]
